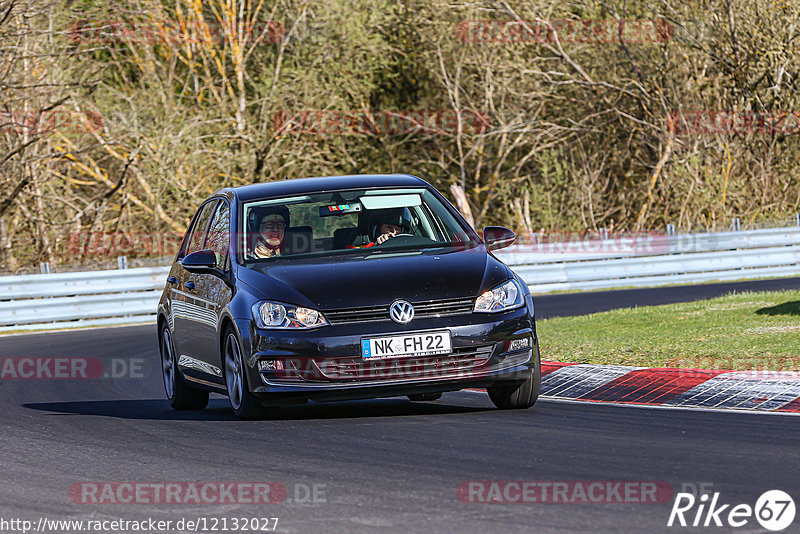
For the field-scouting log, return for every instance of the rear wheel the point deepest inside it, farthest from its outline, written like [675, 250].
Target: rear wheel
[245, 405]
[515, 396]
[179, 394]
[418, 397]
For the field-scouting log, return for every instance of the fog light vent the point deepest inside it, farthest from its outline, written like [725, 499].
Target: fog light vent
[270, 365]
[517, 344]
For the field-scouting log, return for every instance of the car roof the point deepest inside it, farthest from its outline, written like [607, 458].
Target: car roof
[322, 184]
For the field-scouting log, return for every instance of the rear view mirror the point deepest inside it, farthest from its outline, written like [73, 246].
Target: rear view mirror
[497, 237]
[339, 209]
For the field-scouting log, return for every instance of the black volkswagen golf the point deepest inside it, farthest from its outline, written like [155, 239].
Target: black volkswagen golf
[339, 288]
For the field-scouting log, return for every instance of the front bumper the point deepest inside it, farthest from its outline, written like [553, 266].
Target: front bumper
[325, 363]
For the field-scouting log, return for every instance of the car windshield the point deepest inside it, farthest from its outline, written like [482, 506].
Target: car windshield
[348, 223]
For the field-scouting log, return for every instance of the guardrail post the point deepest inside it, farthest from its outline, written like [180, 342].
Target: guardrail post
[737, 225]
[670, 229]
[122, 263]
[44, 267]
[603, 233]
[797, 218]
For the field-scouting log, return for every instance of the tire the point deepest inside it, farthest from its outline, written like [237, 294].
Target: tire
[419, 397]
[519, 396]
[245, 405]
[180, 395]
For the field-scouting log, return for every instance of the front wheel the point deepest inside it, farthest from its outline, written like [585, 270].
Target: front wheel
[522, 395]
[245, 405]
[179, 394]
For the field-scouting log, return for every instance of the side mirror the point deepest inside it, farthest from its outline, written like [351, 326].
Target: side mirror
[202, 261]
[497, 237]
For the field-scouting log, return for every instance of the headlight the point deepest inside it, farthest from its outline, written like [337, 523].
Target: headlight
[269, 314]
[506, 296]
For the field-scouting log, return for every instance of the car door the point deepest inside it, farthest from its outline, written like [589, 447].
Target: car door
[185, 305]
[213, 293]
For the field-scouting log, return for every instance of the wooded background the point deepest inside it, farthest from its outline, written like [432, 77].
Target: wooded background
[120, 117]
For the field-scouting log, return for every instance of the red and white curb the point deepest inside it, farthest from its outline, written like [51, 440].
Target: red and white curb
[766, 391]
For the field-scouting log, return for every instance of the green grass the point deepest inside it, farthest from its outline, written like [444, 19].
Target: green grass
[736, 331]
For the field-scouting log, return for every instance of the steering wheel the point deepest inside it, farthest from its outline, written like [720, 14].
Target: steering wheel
[393, 239]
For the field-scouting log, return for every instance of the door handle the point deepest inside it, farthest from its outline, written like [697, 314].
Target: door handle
[189, 285]
[172, 280]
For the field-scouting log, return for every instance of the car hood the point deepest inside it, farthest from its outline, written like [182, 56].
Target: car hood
[378, 279]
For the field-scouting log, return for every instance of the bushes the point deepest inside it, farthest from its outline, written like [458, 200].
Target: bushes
[190, 95]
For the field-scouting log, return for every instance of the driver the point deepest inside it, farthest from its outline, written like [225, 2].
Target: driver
[386, 224]
[271, 232]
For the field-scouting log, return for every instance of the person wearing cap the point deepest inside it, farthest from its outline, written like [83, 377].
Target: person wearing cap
[386, 224]
[387, 231]
[271, 232]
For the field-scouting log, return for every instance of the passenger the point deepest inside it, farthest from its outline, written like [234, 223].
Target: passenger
[270, 240]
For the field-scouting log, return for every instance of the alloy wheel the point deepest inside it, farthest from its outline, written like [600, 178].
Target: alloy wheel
[168, 363]
[234, 378]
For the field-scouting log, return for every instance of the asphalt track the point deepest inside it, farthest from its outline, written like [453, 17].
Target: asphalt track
[379, 466]
[567, 304]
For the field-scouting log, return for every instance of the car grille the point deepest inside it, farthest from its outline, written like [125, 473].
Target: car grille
[431, 308]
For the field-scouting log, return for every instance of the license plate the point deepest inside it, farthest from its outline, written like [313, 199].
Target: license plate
[424, 344]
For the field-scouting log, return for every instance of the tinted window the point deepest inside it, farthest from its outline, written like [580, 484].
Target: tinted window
[197, 236]
[218, 236]
[348, 222]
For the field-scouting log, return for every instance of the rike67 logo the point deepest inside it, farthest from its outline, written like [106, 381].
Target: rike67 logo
[774, 510]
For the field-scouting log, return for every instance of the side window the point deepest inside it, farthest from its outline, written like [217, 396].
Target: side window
[218, 237]
[195, 241]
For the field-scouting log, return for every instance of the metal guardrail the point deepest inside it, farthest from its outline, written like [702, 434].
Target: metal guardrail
[121, 296]
[68, 300]
[649, 244]
[657, 260]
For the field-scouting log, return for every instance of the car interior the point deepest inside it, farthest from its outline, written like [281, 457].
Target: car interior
[351, 229]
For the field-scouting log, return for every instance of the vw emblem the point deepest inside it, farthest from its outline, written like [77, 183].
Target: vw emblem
[401, 311]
